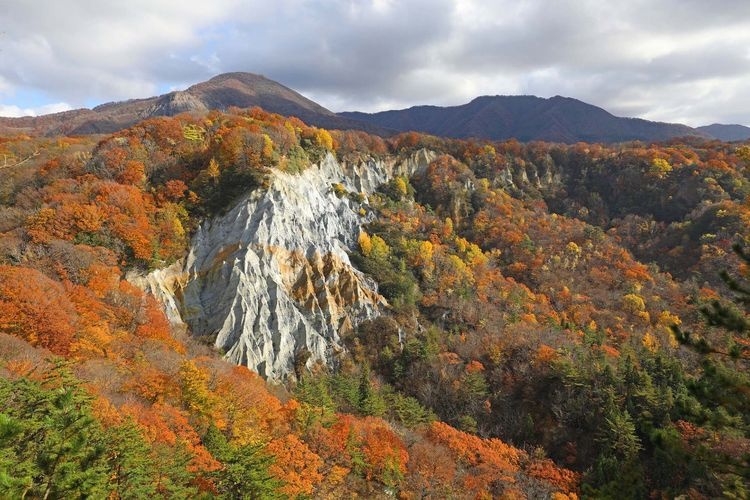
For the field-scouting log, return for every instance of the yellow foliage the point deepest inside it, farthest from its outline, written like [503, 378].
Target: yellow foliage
[475, 255]
[213, 169]
[633, 303]
[660, 168]
[365, 244]
[195, 391]
[337, 474]
[420, 253]
[448, 228]
[290, 128]
[495, 353]
[573, 248]
[267, 147]
[744, 153]
[193, 133]
[323, 139]
[400, 186]
[650, 342]
[338, 189]
[373, 246]
[462, 244]
[380, 249]
[666, 321]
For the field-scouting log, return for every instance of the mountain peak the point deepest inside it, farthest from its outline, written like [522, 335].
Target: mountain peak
[236, 89]
[238, 75]
[727, 132]
[493, 117]
[526, 118]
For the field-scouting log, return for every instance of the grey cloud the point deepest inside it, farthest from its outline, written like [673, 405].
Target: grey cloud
[685, 60]
[359, 51]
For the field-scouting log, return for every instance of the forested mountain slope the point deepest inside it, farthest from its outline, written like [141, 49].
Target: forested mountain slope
[448, 318]
[239, 90]
[526, 118]
[727, 132]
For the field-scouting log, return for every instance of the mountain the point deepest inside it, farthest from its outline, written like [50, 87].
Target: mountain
[227, 90]
[526, 118]
[726, 132]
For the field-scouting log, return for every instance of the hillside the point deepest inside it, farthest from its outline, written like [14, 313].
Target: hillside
[242, 305]
[525, 118]
[242, 90]
[727, 132]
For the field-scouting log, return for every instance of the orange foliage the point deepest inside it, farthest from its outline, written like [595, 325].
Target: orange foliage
[153, 323]
[546, 354]
[490, 460]
[432, 469]
[563, 479]
[132, 173]
[174, 190]
[474, 367]
[163, 423]
[296, 465]
[381, 446]
[37, 309]
[245, 409]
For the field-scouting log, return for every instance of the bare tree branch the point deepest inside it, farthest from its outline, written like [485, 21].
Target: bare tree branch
[12, 164]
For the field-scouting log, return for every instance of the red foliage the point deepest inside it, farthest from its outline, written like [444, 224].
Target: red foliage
[37, 309]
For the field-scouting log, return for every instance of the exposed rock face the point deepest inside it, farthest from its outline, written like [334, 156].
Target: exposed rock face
[165, 284]
[545, 177]
[271, 282]
[174, 104]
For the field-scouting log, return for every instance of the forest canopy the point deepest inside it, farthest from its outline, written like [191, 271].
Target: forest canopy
[563, 321]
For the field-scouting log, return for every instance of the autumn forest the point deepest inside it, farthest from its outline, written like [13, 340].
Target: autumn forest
[561, 321]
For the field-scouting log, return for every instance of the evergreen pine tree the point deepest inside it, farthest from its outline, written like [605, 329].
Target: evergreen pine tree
[244, 474]
[370, 402]
[51, 445]
[130, 462]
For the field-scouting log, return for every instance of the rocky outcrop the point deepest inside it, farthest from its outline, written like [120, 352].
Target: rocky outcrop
[165, 284]
[175, 103]
[544, 176]
[271, 283]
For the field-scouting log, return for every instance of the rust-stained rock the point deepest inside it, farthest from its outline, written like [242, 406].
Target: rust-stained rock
[271, 280]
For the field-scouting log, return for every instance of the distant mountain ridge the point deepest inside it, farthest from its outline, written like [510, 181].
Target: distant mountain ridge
[526, 118]
[727, 132]
[241, 90]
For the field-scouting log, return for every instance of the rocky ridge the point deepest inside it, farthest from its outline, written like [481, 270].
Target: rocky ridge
[270, 282]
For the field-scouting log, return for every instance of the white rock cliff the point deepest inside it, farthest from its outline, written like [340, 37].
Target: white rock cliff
[271, 282]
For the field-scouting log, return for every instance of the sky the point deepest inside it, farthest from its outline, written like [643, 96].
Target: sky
[683, 61]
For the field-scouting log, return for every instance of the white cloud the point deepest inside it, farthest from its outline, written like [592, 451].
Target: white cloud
[684, 60]
[10, 110]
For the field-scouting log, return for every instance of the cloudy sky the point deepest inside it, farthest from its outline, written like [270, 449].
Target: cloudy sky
[672, 60]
